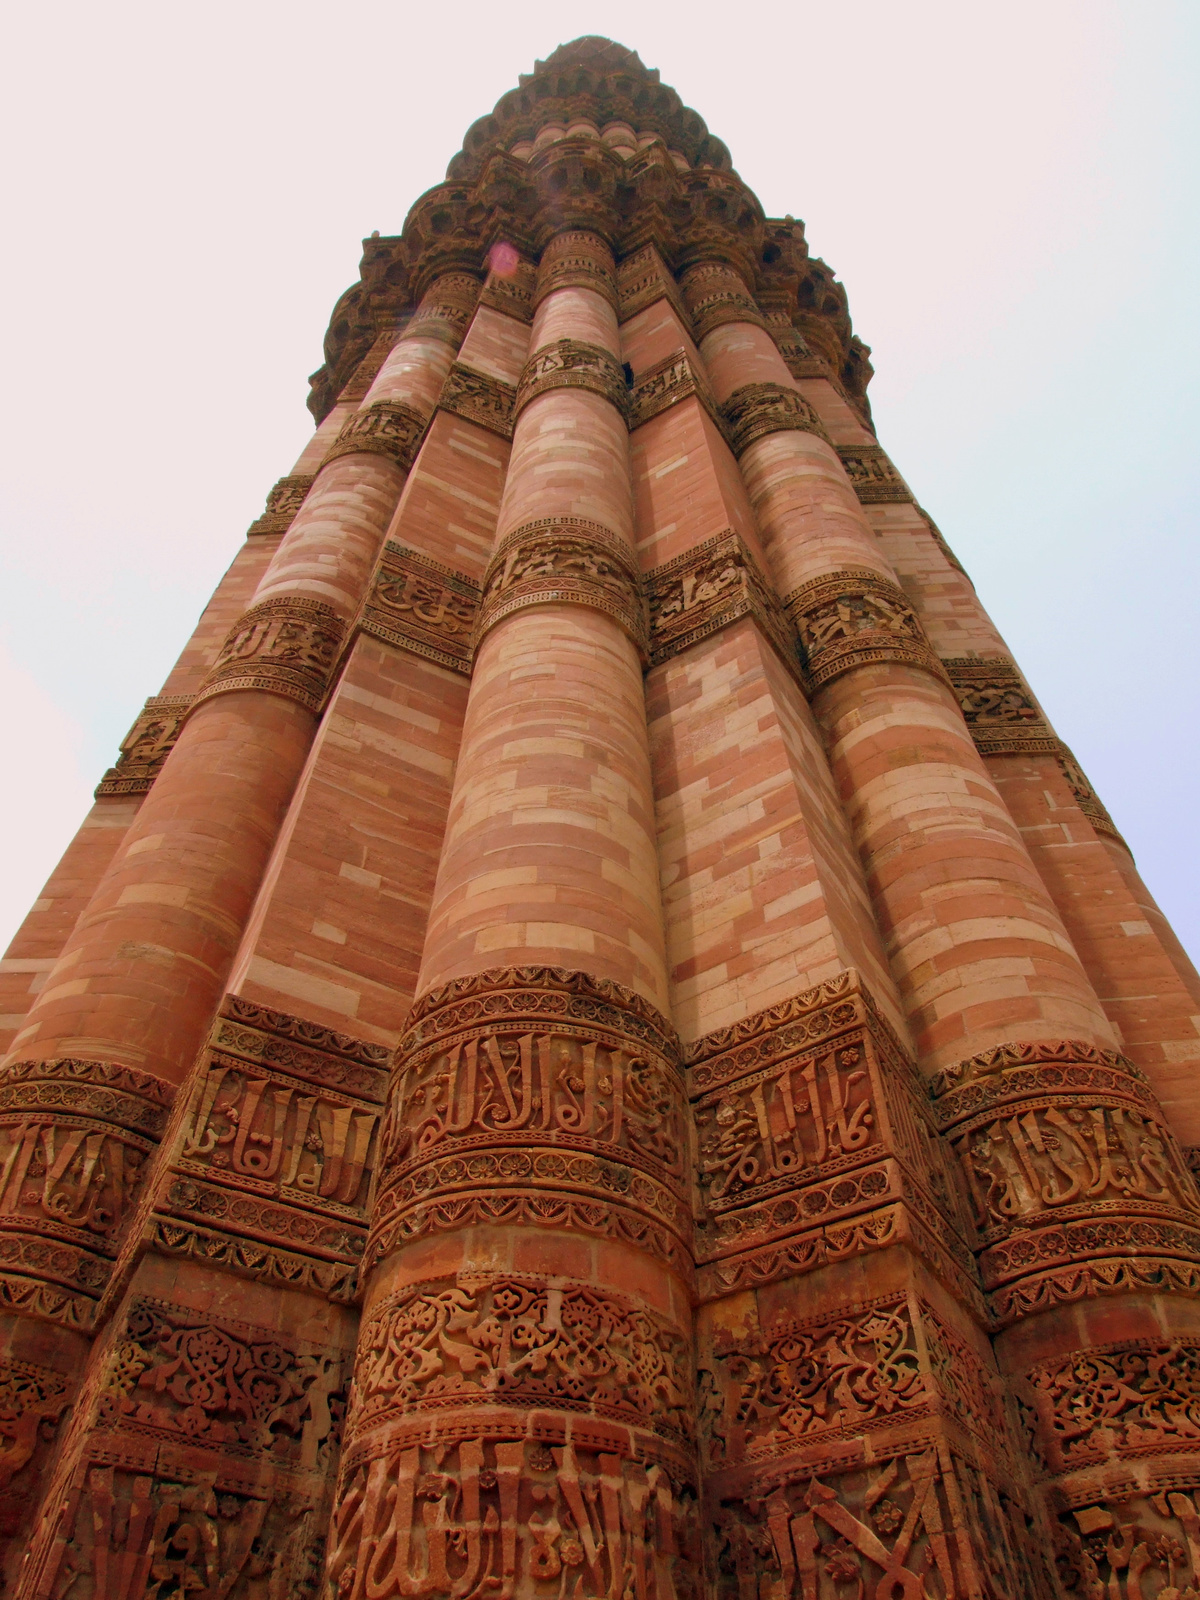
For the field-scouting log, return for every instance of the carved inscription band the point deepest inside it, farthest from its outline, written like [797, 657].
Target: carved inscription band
[872, 475]
[998, 708]
[577, 260]
[283, 502]
[757, 409]
[288, 647]
[573, 364]
[706, 589]
[387, 428]
[665, 385]
[424, 607]
[479, 398]
[853, 618]
[146, 746]
[565, 560]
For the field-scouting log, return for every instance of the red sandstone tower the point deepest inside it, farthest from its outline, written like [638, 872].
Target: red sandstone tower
[595, 1045]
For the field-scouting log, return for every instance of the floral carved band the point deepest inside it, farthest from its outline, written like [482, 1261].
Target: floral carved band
[706, 589]
[423, 607]
[1086, 798]
[997, 707]
[272, 1176]
[665, 385]
[75, 1137]
[1077, 1184]
[570, 560]
[146, 746]
[572, 364]
[856, 618]
[757, 409]
[536, 1096]
[814, 1143]
[576, 261]
[388, 428]
[476, 397]
[872, 476]
[287, 647]
[283, 502]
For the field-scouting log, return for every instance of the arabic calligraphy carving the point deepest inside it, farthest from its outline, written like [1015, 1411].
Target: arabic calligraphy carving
[146, 746]
[872, 475]
[286, 646]
[422, 606]
[855, 617]
[997, 707]
[572, 364]
[479, 398]
[385, 428]
[757, 409]
[706, 589]
[667, 383]
[283, 502]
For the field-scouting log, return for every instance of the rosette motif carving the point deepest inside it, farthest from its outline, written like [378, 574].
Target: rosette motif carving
[387, 428]
[757, 409]
[855, 618]
[146, 746]
[573, 364]
[564, 560]
[287, 646]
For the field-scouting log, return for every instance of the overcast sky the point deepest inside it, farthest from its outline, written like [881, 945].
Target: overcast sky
[1008, 193]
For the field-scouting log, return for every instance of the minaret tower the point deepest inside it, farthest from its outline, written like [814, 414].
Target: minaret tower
[595, 1044]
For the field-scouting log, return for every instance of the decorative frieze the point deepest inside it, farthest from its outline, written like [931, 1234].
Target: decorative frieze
[75, 1139]
[368, 368]
[564, 560]
[283, 502]
[801, 360]
[386, 428]
[1070, 1168]
[998, 708]
[707, 588]
[287, 646]
[642, 280]
[872, 476]
[757, 409]
[547, 1094]
[573, 364]
[576, 260]
[446, 309]
[855, 617]
[1129, 1537]
[715, 294]
[665, 385]
[146, 746]
[510, 293]
[476, 397]
[273, 1171]
[1086, 798]
[422, 606]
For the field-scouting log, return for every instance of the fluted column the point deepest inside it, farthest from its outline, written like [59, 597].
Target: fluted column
[529, 1248]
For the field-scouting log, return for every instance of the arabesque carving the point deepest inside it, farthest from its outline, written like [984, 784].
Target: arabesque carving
[422, 606]
[386, 428]
[1130, 1544]
[757, 409]
[283, 502]
[564, 560]
[479, 398]
[707, 588]
[287, 646]
[572, 364]
[998, 708]
[146, 746]
[872, 476]
[855, 617]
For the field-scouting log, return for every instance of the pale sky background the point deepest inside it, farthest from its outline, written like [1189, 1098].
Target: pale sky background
[1008, 193]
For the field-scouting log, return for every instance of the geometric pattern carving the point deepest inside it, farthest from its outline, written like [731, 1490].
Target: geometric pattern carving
[704, 590]
[872, 476]
[287, 646]
[571, 560]
[283, 502]
[997, 707]
[422, 606]
[757, 409]
[479, 398]
[856, 617]
[146, 746]
[572, 364]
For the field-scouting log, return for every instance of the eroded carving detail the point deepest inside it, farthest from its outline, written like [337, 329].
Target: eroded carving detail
[386, 428]
[998, 708]
[570, 560]
[572, 364]
[872, 476]
[479, 398]
[706, 589]
[287, 647]
[422, 606]
[662, 386]
[1132, 1545]
[757, 409]
[283, 502]
[853, 618]
[146, 746]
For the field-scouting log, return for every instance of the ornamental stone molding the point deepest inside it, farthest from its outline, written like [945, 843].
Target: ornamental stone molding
[446, 308]
[706, 589]
[386, 428]
[666, 384]
[855, 617]
[715, 294]
[578, 260]
[478, 397]
[283, 502]
[998, 707]
[564, 560]
[643, 279]
[872, 476]
[423, 607]
[757, 409]
[288, 646]
[369, 367]
[510, 292]
[1086, 798]
[572, 364]
[146, 746]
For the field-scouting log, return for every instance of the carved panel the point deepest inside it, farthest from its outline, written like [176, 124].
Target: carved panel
[535, 1089]
[369, 367]
[572, 364]
[706, 589]
[75, 1137]
[872, 476]
[446, 309]
[510, 293]
[564, 560]
[422, 606]
[665, 385]
[801, 361]
[642, 280]
[1086, 798]
[32, 1399]
[283, 502]
[576, 260]
[479, 398]
[386, 428]
[287, 647]
[146, 746]
[855, 618]
[757, 409]
[809, 1114]
[1068, 1162]
[714, 295]
[274, 1168]
[1130, 1544]
[998, 707]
